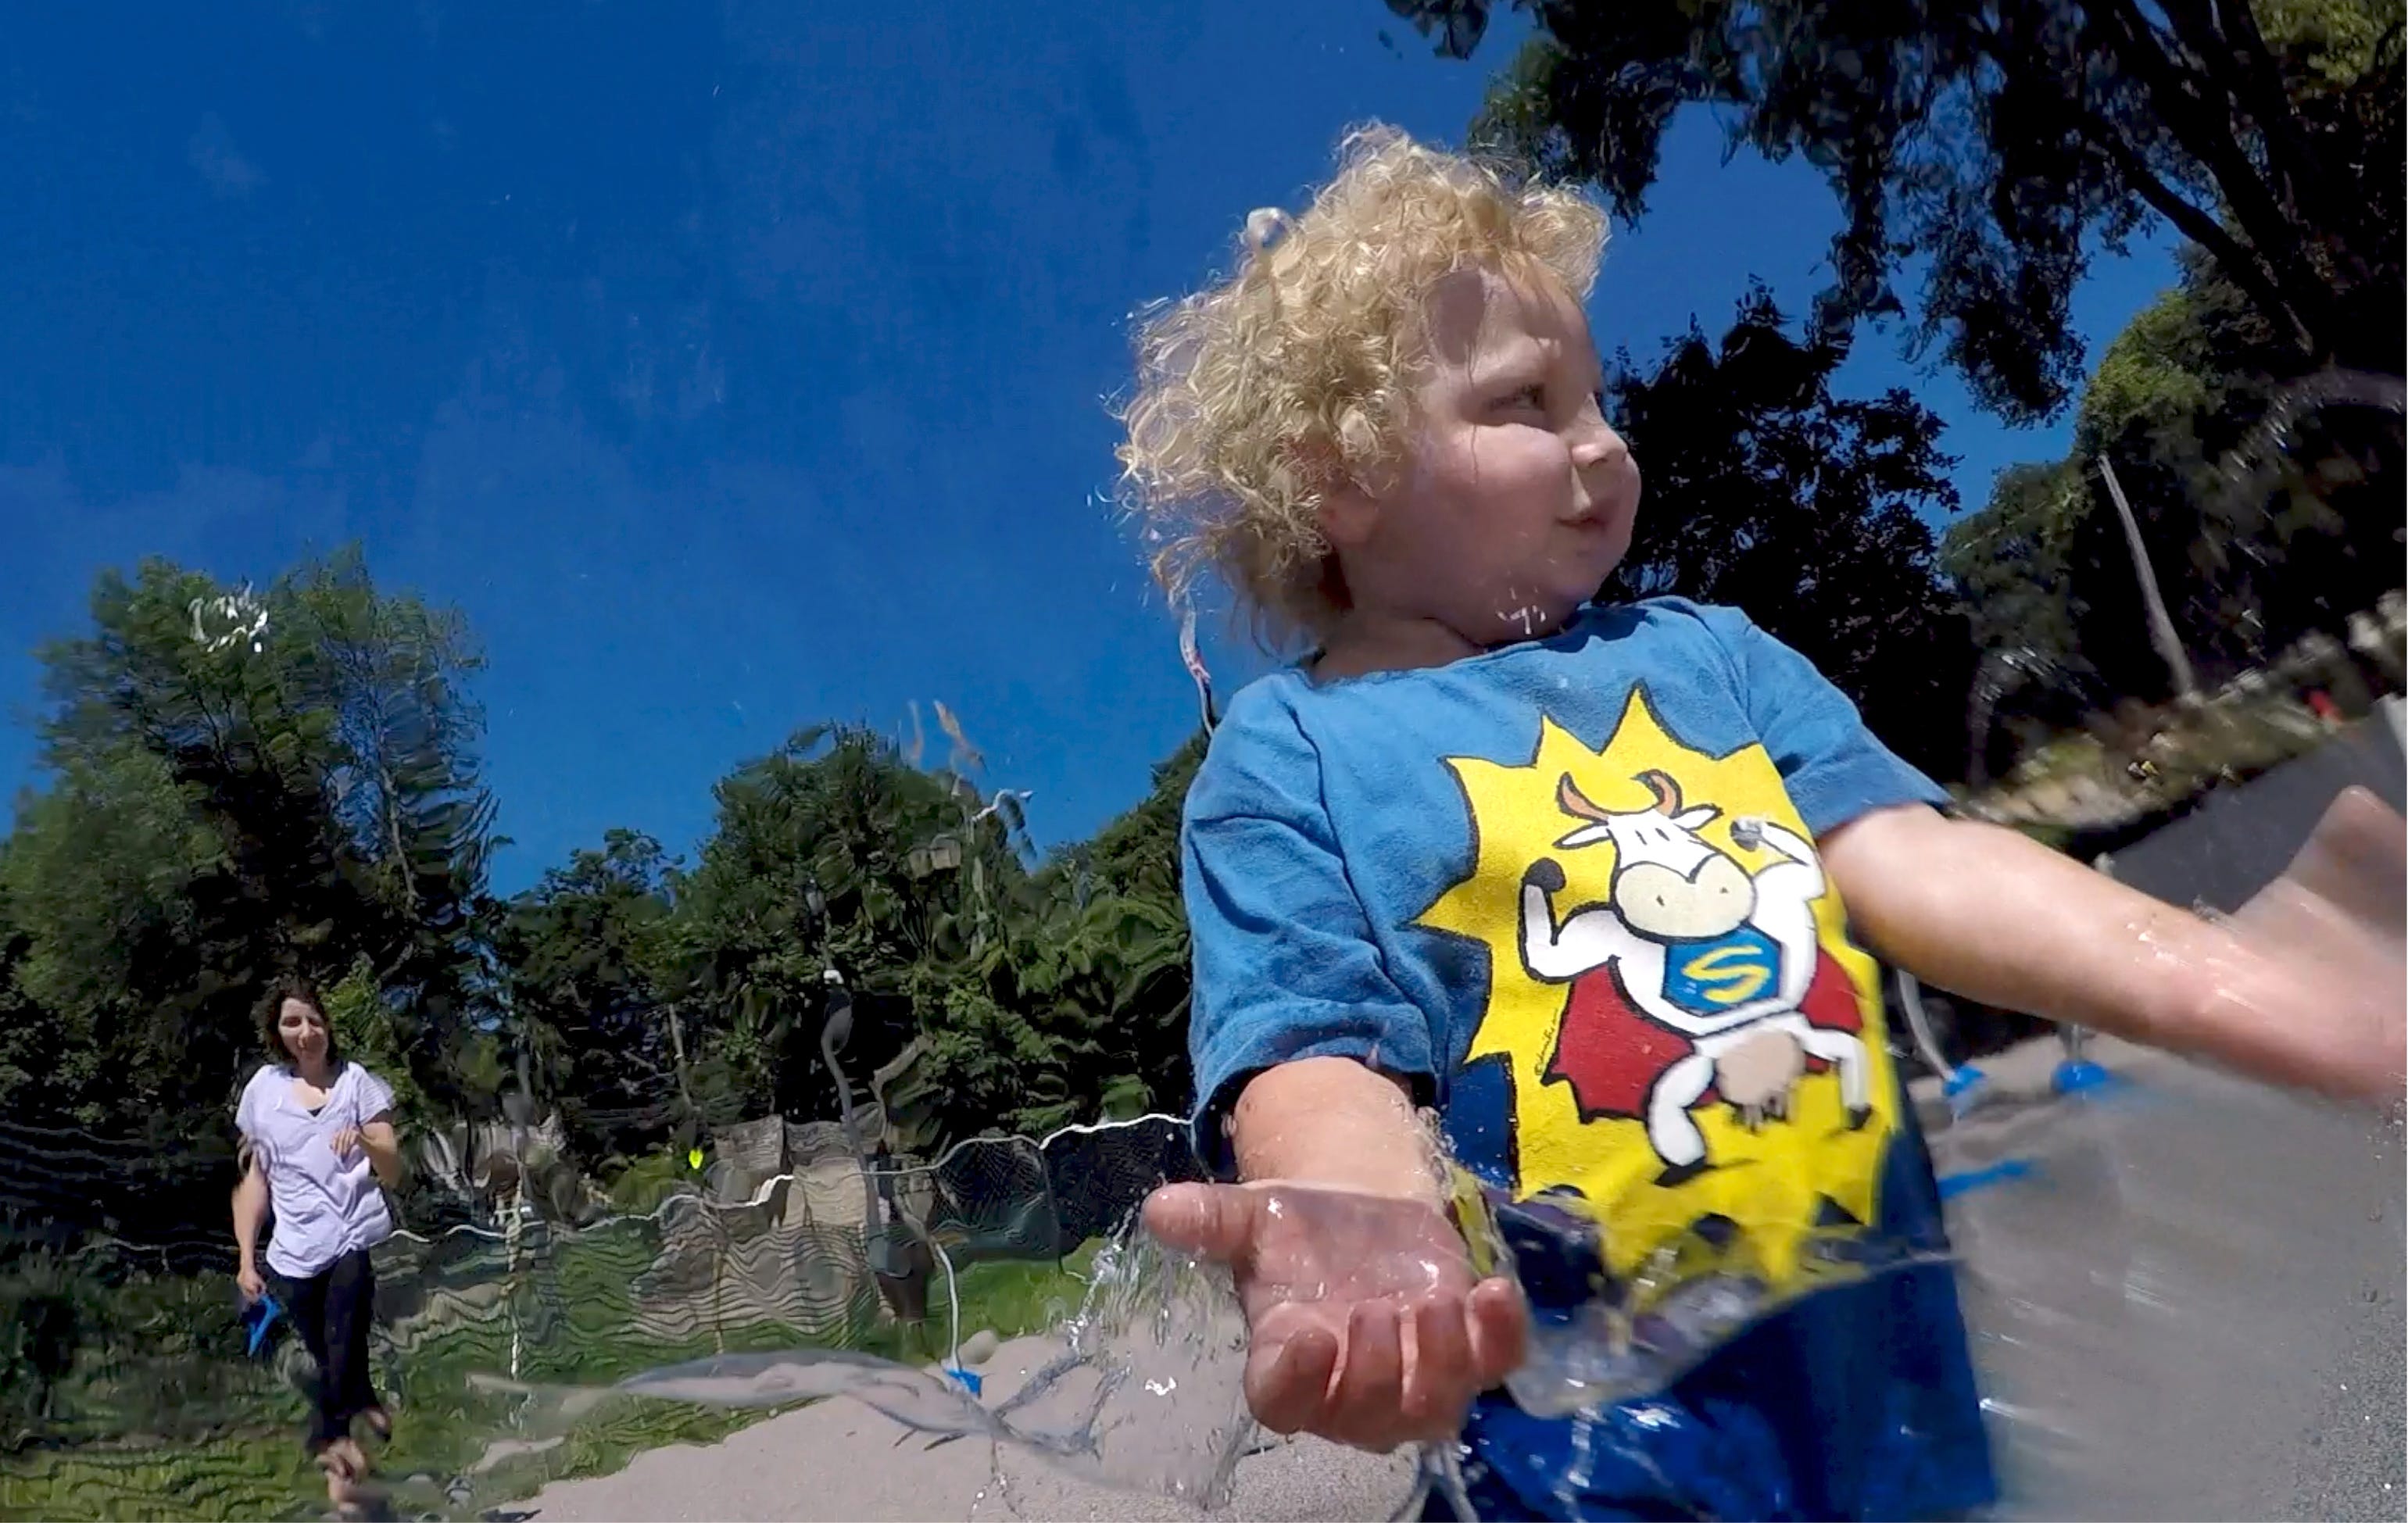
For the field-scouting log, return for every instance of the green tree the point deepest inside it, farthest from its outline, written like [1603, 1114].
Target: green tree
[584, 960]
[989, 996]
[1104, 951]
[28, 1044]
[1806, 509]
[2256, 535]
[1137, 852]
[361, 1010]
[301, 794]
[831, 851]
[392, 673]
[1078, 1013]
[1994, 148]
[2013, 559]
[116, 887]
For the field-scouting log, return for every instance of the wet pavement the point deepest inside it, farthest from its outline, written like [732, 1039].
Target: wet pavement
[838, 1459]
[2188, 1303]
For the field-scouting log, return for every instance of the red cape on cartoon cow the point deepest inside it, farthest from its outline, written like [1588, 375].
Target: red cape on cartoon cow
[1612, 1055]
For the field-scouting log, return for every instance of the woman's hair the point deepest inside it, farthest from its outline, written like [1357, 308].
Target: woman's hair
[293, 986]
[1258, 393]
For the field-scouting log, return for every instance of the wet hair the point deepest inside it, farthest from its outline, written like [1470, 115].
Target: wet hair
[293, 986]
[1256, 394]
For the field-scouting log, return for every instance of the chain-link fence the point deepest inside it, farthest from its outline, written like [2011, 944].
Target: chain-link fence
[128, 1362]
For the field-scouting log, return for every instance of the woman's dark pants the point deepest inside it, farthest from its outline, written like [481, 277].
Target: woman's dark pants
[332, 1309]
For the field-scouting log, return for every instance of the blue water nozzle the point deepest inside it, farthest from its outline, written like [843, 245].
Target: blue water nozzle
[2076, 1075]
[258, 1319]
[1961, 1085]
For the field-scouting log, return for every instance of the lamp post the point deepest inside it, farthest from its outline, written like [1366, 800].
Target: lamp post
[835, 1032]
[897, 1257]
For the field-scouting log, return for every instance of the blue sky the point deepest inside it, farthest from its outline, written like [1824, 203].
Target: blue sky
[731, 368]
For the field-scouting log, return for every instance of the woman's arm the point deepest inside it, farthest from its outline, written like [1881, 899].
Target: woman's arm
[375, 1137]
[384, 1145]
[250, 1214]
[2307, 998]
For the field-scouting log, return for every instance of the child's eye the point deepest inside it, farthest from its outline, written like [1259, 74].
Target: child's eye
[1534, 397]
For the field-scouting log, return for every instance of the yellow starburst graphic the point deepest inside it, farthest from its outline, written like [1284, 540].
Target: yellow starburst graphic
[1777, 1174]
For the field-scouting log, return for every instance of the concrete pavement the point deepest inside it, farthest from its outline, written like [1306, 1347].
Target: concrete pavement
[838, 1460]
[2189, 1305]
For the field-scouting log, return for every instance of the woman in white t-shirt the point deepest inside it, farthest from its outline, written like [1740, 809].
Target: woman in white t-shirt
[317, 1141]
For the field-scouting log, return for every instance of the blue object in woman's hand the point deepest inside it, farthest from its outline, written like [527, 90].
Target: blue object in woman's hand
[257, 1318]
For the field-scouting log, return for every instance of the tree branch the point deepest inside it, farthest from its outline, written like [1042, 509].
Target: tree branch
[2226, 35]
[2237, 259]
[2205, 130]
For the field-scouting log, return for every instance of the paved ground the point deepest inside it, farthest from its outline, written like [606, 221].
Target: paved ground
[838, 1460]
[2188, 1305]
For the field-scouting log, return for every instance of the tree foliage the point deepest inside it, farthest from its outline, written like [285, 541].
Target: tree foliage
[1994, 148]
[667, 1001]
[218, 816]
[1767, 491]
[303, 794]
[2257, 533]
[583, 961]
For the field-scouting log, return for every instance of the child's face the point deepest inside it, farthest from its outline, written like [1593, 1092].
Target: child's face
[1514, 499]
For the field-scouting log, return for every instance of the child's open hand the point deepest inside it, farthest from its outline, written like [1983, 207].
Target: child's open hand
[1368, 1326]
[2327, 1000]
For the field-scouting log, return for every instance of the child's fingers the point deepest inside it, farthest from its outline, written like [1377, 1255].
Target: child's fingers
[1287, 1378]
[1440, 1380]
[2353, 860]
[1500, 1330]
[1215, 1220]
[1366, 1406]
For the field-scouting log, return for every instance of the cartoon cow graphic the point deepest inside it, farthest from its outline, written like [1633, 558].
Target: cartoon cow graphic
[1695, 979]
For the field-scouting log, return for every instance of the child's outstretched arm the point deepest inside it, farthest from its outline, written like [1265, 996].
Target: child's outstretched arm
[2302, 986]
[1365, 1324]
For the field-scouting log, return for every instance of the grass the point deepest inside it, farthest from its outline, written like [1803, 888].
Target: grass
[255, 1469]
[252, 1476]
[1012, 1299]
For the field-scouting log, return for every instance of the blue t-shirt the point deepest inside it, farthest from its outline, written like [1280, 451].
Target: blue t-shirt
[1569, 888]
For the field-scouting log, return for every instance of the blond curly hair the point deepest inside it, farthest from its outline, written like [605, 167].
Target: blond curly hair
[1256, 394]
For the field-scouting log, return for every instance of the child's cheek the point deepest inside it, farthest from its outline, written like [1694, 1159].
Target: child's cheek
[1443, 466]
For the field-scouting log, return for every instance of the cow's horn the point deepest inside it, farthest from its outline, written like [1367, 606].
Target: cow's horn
[1572, 801]
[1667, 791]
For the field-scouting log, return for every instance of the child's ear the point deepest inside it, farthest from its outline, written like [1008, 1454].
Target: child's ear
[1347, 516]
[1348, 508]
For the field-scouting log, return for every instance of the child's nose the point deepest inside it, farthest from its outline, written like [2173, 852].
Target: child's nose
[1596, 446]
